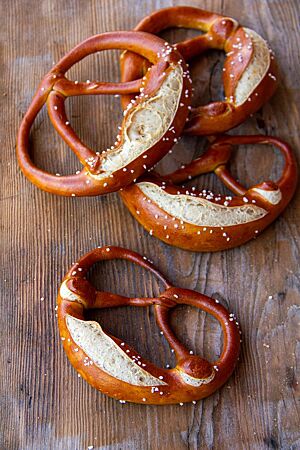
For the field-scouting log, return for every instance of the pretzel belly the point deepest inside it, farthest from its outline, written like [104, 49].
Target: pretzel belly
[100, 349]
[194, 223]
[145, 124]
[103, 351]
[116, 369]
[123, 374]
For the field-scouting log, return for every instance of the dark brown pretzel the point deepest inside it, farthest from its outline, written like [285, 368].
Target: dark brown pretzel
[152, 122]
[202, 221]
[116, 369]
[249, 73]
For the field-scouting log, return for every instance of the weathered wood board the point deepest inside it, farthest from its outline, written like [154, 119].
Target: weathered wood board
[44, 405]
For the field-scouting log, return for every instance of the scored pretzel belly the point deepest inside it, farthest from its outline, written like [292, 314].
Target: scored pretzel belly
[202, 221]
[250, 74]
[115, 368]
[152, 121]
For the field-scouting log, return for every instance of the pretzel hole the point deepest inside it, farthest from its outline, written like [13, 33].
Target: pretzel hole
[95, 119]
[49, 152]
[100, 66]
[255, 163]
[109, 276]
[207, 75]
[134, 325]
[198, 331]
[137, 327]
[206, 69]
[185, 151]
[174, 35]
[181, 153]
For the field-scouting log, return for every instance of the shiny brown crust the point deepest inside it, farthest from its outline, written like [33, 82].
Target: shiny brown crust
[220, 32]
[55, 88]
[166, 226]
[192, 379]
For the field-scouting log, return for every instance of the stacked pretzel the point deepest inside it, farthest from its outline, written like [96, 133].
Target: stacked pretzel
[156, 90]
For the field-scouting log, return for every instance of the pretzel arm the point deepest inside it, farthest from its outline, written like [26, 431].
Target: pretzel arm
[40, 177]
[162, 318]
[231, 335]
[196, 46]
[60, 121]
[208, 162]
[180, 17]
[196, 365]
[218, 155]
[225, 176]
[288, 180]
[109, 300]
[72, 88]
[81, 268]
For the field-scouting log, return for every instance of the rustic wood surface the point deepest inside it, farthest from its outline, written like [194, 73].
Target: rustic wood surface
[44, 405]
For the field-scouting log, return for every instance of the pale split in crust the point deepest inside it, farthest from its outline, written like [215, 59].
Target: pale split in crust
[145, 124]
[256, 69]
[196, 382]
[67, 294]
[273, 197]
[106, 354]
[199, 211]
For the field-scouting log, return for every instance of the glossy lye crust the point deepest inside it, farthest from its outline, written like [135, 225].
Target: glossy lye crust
[152, 121]
[249, 67]
[116, 369]
[202, 221]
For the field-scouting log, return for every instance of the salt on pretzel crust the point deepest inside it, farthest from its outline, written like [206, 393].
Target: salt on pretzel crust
[200, 220]
[145, 123]
[256, 70]
[116, 369]
[106, 354]
[199, 211]
[152, 121]
[250, 74]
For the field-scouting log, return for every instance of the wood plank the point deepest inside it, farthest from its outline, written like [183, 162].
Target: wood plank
[44, 405]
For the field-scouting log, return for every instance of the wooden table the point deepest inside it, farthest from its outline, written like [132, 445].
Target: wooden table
[44, 405]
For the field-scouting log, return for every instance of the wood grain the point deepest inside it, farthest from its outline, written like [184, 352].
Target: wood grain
[44, 405]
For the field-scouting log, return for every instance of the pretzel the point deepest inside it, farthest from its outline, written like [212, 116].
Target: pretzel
[116, 369]
[152, 122]
[202, 221]
[249, 74]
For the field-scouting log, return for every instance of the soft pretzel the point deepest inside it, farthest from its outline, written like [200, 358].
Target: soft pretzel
[202, 221]
[116, 369]
[249, 73]
[152, 122]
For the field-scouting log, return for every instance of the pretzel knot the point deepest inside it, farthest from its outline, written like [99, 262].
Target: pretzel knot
[152, 122]
[249, 73]
[116, 369]
[202, 221]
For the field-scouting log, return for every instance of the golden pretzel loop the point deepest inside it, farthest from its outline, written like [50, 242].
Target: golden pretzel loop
[116, 369]
[249, 72]
[152, 121]
[200, 220]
